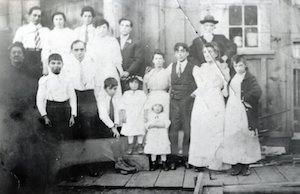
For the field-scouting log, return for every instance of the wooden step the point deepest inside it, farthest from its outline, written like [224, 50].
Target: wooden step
[71, 153]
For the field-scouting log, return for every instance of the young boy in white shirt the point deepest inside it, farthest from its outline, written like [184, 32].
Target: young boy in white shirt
[108, 105]
[56, 99]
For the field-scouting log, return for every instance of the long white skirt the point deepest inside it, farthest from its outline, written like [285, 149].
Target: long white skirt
[207, 131]
[240, 144]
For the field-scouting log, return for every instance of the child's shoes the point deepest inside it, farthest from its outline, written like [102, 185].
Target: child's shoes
[140, 149]
[130, 148]
[153, 166]
[164, 166]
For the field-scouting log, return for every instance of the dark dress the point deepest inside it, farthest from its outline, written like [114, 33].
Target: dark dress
[227, 47]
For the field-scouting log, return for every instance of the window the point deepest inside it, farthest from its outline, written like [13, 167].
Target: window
[243, 25]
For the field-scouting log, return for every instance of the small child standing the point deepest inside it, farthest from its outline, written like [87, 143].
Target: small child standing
[241, 143]
[157, 138]
[132, 111]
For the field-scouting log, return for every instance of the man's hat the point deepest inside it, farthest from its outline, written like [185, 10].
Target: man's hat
[209, 18]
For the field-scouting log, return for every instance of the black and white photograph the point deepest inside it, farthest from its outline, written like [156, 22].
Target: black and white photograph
[149, 96]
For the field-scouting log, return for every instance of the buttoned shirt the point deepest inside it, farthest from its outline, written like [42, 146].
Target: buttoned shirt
[26, 34]
[56, 88]
[104, 109]
[80, 32]
[82, 73]
[123, 40]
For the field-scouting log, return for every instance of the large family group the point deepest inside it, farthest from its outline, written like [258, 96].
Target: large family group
[92, 85]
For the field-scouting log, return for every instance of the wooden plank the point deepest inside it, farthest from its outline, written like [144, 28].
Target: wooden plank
[143, 179]
[200, 183]
[189, 178]
[269, 174]
[292, 173]
[112, 179]
[223, 177]
[171, 178]
[213, 190]
[251, 179]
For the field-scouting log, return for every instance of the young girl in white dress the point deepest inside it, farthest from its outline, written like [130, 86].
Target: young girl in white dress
[132, 111]
[207, 120]
[241, 143]
[157, 138]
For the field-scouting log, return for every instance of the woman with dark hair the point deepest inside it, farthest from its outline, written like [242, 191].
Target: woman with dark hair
[208, 111]
[106, 52]
[59, 39]
[157, 83]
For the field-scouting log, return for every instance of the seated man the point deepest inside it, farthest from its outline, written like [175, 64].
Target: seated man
[108, 104]
[56, 100]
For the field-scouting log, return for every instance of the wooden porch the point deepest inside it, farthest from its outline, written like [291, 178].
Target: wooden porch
[266, 179]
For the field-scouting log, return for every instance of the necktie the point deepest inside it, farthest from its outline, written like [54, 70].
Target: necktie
[82, 77]
[179, 70]
[86, 38]
[111, 110]
[37, 39]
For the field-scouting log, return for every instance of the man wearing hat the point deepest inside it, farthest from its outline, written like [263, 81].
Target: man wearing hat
[226, 46]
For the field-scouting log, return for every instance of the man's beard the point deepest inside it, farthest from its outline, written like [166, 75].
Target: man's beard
[56, 71]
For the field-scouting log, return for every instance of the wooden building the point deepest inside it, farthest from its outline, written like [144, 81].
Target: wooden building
[266, 31]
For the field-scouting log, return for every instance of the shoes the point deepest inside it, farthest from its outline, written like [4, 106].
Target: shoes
[199, 169]
[123, 168]
[140, 149]
[130, 149]
[245, 171]
[128, 166]
[173, 166]
[236, 169]
[153, 166]
[165, 166]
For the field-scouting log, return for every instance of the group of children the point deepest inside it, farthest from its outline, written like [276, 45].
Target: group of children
[220, 134]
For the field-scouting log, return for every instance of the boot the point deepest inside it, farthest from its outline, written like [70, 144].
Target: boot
[165, 166]
[153, 166]
[140, 149]
[130, 148]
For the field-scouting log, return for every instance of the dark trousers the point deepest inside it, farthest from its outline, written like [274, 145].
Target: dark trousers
[33, 63]
[87, 121]
[180, 116]
[59, 114]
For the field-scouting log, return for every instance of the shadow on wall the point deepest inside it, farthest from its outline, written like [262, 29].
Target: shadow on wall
[26, 150]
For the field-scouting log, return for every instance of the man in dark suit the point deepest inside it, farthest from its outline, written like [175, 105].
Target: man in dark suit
[226, 46]
[132, 52]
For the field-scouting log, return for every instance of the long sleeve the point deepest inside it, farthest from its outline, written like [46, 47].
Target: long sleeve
[230, 47]
[138, 58]
[18, 36]
[103, 112]
[254, 91]
[41, 96]
[73, 99]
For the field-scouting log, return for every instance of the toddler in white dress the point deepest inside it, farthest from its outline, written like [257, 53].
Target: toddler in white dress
[157, 138]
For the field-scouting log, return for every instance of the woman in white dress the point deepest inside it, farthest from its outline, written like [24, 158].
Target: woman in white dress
[157, 83]
[59, 40]
[207, 120]
[106, 52]
[241, 143]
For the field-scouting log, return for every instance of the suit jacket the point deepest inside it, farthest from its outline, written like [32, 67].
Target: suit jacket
[133, 59]
[250, 93]
[227, 47]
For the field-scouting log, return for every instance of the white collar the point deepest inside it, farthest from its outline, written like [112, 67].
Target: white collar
[183, 62]
[35, 26]
[124, 37]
